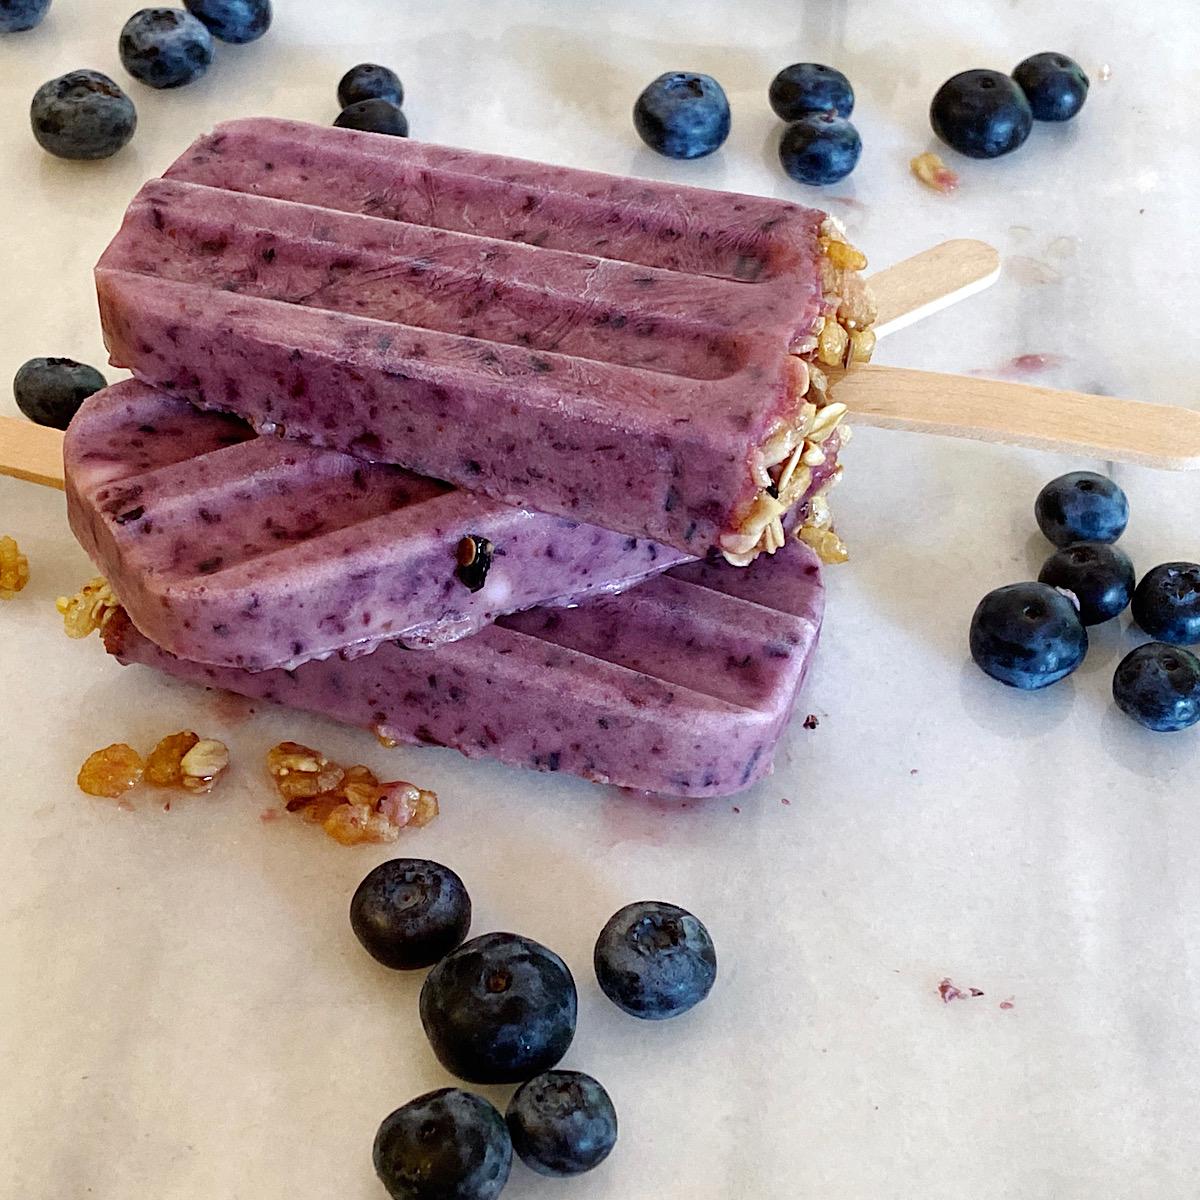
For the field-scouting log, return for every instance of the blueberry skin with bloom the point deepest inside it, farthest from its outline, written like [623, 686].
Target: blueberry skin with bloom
[981, 114]
[1159, 687]
[806, 88]
[1081, 507]
[819, 149]
[1054, 85]
[373, 116]
[655, 960]
[499, 1009]
[1100, 576]
[1027, 635]
[445, 1145]
[16, 16]
[682, 115]
[370, 81]
[562, 1123]
[82, 115]
[49, 391]
[165, 47]
[410, 913]
[1166, 604]
[236, 21]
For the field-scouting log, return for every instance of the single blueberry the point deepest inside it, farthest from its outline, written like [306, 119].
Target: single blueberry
[819, 149]
[49, 391]
[682, 115]
[82, 115]
[410, 913]
[655, 960]
[236, 21]
[562, 1123]
[1100, 576]
[445, 1145]
[165, 47]
[19, 15]
[499, 1009]
[370, 81]
[373, 116]
[981, 114]
[1166, 604]
[1054, 85]
[806, 88]
[1159, 687]
[1027, 635]
[1081, 507]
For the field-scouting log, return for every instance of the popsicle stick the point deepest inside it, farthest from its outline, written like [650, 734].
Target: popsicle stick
[922, 285]
[1017, 414]
[29, 451]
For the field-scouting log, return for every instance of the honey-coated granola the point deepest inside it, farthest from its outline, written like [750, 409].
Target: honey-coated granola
[349, 803]
[14, 568]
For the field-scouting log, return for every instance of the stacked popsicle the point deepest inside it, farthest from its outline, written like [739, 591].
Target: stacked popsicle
[390, 395]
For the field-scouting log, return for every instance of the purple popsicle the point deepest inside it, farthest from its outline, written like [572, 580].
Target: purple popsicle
[632, 354]
[682, 685]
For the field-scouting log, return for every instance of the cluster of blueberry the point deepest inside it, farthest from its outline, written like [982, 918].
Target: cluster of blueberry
[984, 114]
[501, 1008]
[683, 114]
[370, 97]
[1030, 635]
[84, 114]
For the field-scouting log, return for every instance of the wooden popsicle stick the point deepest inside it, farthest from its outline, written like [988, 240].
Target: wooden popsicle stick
[1017, 414]
[29, 451]
[922, 285]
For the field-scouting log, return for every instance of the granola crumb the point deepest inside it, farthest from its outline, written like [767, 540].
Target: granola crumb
[350, 804]
[811, 721]
[14, 568]
[1011, 1002]
[110, 772]
[91, 608]
[203, 765]
[933, 173]
[163, 763]
[949, 991]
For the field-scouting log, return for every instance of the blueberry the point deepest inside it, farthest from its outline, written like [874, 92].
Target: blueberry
[1166, 604]
[806, 88]
[819, 149]
[1081, 507]
[445, 1145]
[49, 391]
[370, 81]
[165, 47]
[373, 116]
[82, 115]
[682, 115]
[1027, 635]
[236, 21]
[18, 15]
[562, 1123]
[655, 960]
[981, 114]
[499, 1009]
[1159, 687]
[1054, 85]
[410, 912]
[1101, 577]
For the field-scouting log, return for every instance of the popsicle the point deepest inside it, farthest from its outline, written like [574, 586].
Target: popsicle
[681, 685]
[259, 552]
[633, 354]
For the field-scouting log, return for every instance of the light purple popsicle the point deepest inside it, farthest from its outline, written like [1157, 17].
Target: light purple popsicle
[617, 351]
[242, 551]
[681, 685]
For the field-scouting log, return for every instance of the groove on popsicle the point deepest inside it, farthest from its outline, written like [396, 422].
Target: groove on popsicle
[422, 278]
[747, 238]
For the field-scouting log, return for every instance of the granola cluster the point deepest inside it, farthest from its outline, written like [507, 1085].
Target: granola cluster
[349, 803]
[91, 608]
[180, 760]
[14, 568]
